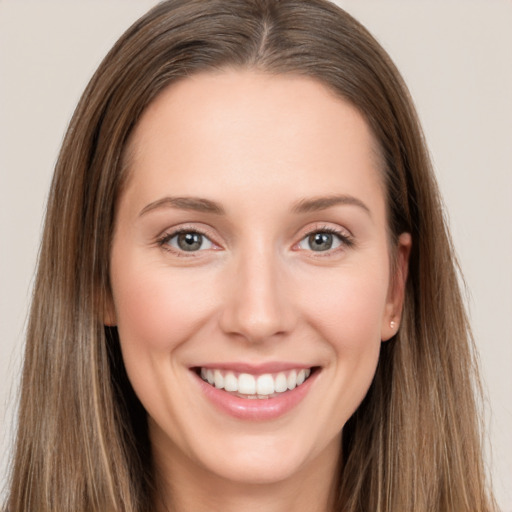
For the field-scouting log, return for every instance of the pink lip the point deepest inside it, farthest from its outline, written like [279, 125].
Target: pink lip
[256, 409]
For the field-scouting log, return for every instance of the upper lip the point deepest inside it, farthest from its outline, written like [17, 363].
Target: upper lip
[255, 369]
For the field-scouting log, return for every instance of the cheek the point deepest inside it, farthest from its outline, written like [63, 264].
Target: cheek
[349, 308]
[346, 309]
[156, 308]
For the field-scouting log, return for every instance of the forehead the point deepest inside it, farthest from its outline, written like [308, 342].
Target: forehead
[253, 131]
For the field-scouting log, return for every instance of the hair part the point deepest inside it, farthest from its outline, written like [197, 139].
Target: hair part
[82, 441]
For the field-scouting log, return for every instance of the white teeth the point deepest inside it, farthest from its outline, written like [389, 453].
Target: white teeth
[280, 383]
[246, 384]
[291, 380]
[251, 386]
[265, 385]
[230, 382]
[218, 379]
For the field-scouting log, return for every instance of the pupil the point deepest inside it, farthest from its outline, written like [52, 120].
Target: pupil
[190, 241]
[320, 241]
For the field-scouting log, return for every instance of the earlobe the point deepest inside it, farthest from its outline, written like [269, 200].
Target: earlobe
[396, 295]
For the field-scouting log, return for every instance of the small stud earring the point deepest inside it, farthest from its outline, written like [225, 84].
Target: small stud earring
[392, 324]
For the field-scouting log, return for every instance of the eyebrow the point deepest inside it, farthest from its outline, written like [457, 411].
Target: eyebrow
[323, 203]
[199, 204]
[196, 204]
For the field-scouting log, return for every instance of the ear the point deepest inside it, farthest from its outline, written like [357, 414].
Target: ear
[396, 292]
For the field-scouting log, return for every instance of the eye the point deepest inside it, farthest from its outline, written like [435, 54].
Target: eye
[322, 241]
[188, 241]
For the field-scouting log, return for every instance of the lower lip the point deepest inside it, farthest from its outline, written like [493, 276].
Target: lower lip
[258, 409]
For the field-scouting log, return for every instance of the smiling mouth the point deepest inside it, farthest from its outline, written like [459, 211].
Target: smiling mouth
[246, 385]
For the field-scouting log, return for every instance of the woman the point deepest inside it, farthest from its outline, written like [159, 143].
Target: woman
[253, 299]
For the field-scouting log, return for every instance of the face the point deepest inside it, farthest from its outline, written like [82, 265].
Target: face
[250, 271]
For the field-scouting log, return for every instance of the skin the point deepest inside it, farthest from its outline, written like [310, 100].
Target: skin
[256, 145]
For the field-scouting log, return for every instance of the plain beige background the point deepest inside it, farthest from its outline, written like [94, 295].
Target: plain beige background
[456, 58]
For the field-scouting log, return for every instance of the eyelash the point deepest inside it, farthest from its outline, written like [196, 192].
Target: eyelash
[164, 240]
[346, 241]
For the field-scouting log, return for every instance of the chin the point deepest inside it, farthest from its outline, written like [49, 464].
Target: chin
[253, 470]
[267, 459]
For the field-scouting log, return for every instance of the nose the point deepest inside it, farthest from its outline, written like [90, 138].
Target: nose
[257, 303]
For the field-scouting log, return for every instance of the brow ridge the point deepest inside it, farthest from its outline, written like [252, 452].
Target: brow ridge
[325, 202]
[197, 204]
[305, 205]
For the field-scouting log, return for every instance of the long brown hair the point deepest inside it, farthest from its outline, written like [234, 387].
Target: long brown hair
[82, 443]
